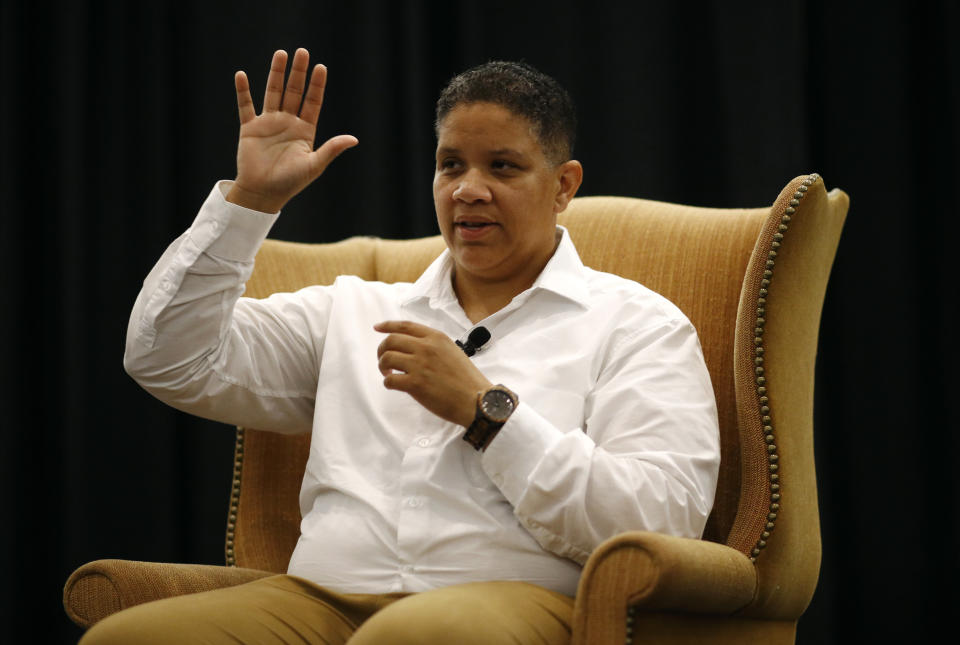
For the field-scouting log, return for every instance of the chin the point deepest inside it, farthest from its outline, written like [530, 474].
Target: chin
[475, 263]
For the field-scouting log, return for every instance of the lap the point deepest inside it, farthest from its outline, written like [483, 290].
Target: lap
[480, 613]
[286, 609]
[277, 609]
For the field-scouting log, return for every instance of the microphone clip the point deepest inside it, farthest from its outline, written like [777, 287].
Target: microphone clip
[475, 340]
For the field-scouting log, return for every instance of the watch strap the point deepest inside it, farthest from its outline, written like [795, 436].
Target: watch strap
[482, 431]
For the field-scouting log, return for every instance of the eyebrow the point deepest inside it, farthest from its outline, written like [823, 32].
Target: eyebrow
[498, 152]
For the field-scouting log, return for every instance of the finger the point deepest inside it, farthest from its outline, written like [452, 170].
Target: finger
[314, 99]
[325, 154]
[274, 91]
[298, 76]
[401, 326]
[392, 361]
[405, 382]
[398, 343]
[396, 381]
[244, 100]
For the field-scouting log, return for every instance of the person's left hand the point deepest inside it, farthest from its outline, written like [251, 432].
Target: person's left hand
[428, 366]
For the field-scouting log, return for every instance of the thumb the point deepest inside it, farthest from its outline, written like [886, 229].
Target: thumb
[332, 149]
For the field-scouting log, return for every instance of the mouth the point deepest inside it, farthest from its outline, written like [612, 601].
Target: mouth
[475, 229]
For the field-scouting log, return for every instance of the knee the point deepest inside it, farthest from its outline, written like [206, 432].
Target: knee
[413, 622]
[475, 613]
[171, 620]
[118, 628]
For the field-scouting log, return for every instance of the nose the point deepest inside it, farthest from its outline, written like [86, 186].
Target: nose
[471, 188]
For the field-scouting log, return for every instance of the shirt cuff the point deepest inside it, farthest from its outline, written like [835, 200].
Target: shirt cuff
[518, 448]
[229, 231]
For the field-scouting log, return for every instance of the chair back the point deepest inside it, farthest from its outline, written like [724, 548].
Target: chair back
[751, 281]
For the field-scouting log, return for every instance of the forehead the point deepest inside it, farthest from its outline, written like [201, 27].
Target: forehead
[486, 125]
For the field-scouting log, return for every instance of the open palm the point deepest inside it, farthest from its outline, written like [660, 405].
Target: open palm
[275, 155]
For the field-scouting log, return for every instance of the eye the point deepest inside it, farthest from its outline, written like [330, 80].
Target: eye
[449, 164]
[501, 165]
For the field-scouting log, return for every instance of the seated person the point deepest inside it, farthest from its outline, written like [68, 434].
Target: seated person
[475, 434]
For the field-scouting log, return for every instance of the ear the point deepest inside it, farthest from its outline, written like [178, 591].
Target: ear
[569, 176]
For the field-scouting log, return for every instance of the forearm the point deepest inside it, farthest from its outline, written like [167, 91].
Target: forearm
[644, 458]
[577, 494]
[185, 344]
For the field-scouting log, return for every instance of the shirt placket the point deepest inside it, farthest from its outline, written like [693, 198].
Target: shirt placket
[413, 525]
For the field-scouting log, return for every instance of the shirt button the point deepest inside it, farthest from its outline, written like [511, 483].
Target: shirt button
[498, 480]
[407, 568]
[423, 442]
[414, 502]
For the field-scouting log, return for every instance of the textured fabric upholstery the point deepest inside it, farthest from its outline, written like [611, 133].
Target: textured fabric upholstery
[103, 587]
[752, 282]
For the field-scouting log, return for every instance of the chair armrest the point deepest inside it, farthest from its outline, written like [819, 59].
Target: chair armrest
[656, 572]
[103, 587]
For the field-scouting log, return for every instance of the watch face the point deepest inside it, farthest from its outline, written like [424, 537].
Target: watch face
[497, 405]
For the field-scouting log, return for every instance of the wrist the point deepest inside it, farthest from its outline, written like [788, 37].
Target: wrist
[468, 407]
[253, 200]
[494, 407]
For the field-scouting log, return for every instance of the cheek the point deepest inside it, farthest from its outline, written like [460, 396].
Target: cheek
[442, 190]
[441, 206]
[536, 204]
[438, 197]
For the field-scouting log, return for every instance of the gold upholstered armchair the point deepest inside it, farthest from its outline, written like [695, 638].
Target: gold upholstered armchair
[752, 281]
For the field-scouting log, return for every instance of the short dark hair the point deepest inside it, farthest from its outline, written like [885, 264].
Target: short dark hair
[523, 90]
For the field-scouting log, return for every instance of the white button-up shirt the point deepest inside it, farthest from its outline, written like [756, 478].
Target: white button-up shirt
[616, 427]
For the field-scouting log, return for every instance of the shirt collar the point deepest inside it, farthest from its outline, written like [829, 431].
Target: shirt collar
[563, 275]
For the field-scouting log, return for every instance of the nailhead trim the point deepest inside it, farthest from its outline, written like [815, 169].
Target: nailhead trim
[234, 498]
[761, 380]
[766, 415]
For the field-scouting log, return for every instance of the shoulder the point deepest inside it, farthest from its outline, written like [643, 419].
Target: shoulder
[636, 328]
[632, 301]
[352, 287]
[345, 288]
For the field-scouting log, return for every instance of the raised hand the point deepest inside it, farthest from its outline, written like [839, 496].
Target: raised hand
[275, 155]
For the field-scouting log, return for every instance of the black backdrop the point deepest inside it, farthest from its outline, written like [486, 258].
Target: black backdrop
[116, 119]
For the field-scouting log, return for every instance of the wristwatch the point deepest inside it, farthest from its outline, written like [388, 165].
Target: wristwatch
[494, 407]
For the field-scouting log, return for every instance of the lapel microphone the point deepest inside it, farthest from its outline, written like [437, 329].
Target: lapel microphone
[478, 336]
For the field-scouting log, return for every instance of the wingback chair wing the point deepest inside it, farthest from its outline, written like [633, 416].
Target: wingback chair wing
[752, 281]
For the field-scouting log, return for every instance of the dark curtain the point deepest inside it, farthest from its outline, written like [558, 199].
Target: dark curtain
[117, 118]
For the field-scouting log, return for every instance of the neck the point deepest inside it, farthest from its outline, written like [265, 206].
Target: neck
[481, 299]
[483, 295]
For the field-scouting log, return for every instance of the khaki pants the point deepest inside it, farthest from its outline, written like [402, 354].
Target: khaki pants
[287, 609]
